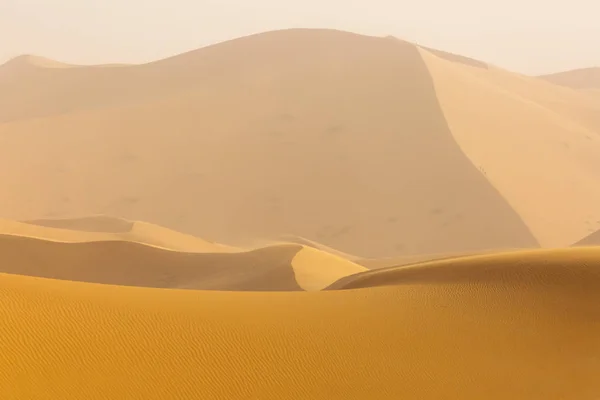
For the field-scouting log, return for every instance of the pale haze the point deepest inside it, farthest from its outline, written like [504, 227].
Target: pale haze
[322, 200]
[531, 37]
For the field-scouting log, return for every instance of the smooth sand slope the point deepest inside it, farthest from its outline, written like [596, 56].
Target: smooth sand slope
[520, 326]
[585, 78]
[327, 135]
[537, 143]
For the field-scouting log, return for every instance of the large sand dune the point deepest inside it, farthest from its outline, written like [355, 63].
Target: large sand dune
[537, 143]
[327, 135]
[520, 326]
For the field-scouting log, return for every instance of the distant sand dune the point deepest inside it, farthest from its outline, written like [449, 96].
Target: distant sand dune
[585, 78]
[100, 228]
[457, 329]
[95, 223]
[593, 239]
[31, 61]
[538, 144]
[133, 264]
[326, 123]
[99, 258]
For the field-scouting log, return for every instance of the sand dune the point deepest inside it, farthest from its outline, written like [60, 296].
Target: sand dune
[586, 78]
[537, 143]
[328, 135]
[100, 228]
[30, 61]
[76, 256]
[521, 326]
[593, 239]
[315, 245]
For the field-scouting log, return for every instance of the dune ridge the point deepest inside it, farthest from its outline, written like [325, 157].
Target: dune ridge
[90, 223]
[30, 61]
[459, 329]
[562, 144]
[160, 143]
[98, 258]
[101, 228]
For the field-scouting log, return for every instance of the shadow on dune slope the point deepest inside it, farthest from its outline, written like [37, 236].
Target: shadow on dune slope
[134, 264]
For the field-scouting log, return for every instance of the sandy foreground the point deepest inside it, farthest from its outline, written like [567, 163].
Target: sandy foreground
[520, 324]
[333, 216]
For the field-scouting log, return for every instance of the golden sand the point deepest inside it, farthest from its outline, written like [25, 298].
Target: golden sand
[521, 326]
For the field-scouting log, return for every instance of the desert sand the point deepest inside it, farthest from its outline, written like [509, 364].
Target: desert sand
[521, 325]
[298, 214]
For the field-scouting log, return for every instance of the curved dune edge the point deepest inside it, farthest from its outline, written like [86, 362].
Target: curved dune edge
[562, 144]
[315, 270]
[274, 268]
[533, 322]
[28, 61]
[100, 228]
[90, 223]
[507, 268]
[378, 263]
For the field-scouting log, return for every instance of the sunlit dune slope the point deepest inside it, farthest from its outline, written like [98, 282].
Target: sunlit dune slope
[328, 135]
[537, 143]
[101, 228]
[585, 78]
[280, 267]
[524, 326]
[315, 269]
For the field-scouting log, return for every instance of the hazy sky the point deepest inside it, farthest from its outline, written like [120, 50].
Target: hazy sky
[529, 36]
